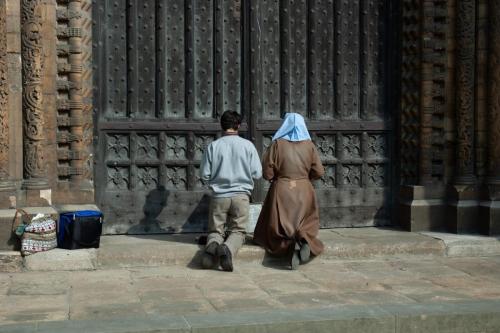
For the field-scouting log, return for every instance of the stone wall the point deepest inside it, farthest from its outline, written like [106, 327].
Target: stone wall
[450, 111]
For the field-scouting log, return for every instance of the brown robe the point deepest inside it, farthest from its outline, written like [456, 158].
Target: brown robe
[290, 211]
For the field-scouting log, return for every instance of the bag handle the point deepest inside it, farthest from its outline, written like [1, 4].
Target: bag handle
[19, 228]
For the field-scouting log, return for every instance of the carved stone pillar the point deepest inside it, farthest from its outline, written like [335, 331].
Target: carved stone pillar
[466, 11]
[35, 171]
[75, 92]
[5, 180]
[490, 209]
[421, 198]
[463, 194]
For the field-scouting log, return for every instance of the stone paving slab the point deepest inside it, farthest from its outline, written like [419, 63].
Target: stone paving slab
[181, 290]
[457, 317]
[467, 245]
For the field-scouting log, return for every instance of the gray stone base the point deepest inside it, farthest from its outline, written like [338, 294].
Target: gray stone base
[463, 209]
[8, 240]
[463, 217]
[422, 208]
[489, 213]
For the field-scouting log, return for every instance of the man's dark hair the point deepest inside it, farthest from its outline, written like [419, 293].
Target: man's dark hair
[230, 120]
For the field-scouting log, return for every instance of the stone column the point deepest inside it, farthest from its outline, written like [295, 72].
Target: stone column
[463, 194]
[75, 92]
[35, 171]
[5, 179]
[490, 209]
[465, 91]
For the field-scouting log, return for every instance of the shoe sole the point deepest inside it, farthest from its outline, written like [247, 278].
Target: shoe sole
[305, 253]
[295, 261]
[225, 265]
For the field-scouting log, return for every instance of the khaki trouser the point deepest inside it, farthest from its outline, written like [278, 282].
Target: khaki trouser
[228, 217]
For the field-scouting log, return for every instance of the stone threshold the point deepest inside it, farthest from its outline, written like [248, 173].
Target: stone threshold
[124, 251]
[472, 316]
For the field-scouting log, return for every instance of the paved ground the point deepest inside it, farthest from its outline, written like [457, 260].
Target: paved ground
[325, 288]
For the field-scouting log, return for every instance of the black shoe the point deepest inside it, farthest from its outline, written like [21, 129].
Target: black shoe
[225, 257]
[305, 252]
[209, 258]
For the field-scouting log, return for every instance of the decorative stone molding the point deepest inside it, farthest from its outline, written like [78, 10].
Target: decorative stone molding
[4, 96]
[75, 94]
[465, 89]
[410, 92]
[494, 94]
[432, 91]
[35, 171]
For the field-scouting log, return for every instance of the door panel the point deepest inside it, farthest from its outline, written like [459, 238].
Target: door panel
[332, 58]
[166, 70]
[169, 69]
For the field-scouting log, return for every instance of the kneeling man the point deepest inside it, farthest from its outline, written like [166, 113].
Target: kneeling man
[230, 165]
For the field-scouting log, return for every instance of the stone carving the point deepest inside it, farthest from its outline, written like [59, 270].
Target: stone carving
[70, 68]
[465, 89]
[494, 93]
[35, 173]
[431, 98]
[410, 92]
[4, 95]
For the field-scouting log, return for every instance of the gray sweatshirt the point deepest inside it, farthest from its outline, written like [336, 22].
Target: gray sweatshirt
[229, 165]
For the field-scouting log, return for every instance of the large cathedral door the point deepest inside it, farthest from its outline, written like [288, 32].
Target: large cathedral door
[166, 70]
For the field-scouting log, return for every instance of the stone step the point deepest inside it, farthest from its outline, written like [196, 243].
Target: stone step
[121, 251]
[471, 316]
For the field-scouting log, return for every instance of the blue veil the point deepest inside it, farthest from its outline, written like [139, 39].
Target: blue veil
[293, 128]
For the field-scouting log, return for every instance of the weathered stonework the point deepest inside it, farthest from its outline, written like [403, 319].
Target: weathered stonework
[4, 101]
[35, 172]
[490, 208]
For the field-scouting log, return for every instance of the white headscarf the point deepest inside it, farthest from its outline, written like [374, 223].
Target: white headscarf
[293, 128]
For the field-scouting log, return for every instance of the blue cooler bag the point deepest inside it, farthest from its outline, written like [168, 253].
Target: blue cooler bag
[79, 230]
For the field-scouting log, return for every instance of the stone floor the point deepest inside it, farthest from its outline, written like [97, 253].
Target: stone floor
[378, 273]
[172, 290]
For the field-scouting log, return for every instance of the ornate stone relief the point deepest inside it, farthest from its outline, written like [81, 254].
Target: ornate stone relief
[73, 99]
[4, 95]
[35, 172]
[494, 92]
[465, 89]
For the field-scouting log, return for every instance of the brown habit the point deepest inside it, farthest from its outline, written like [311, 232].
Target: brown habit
[290, 211]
